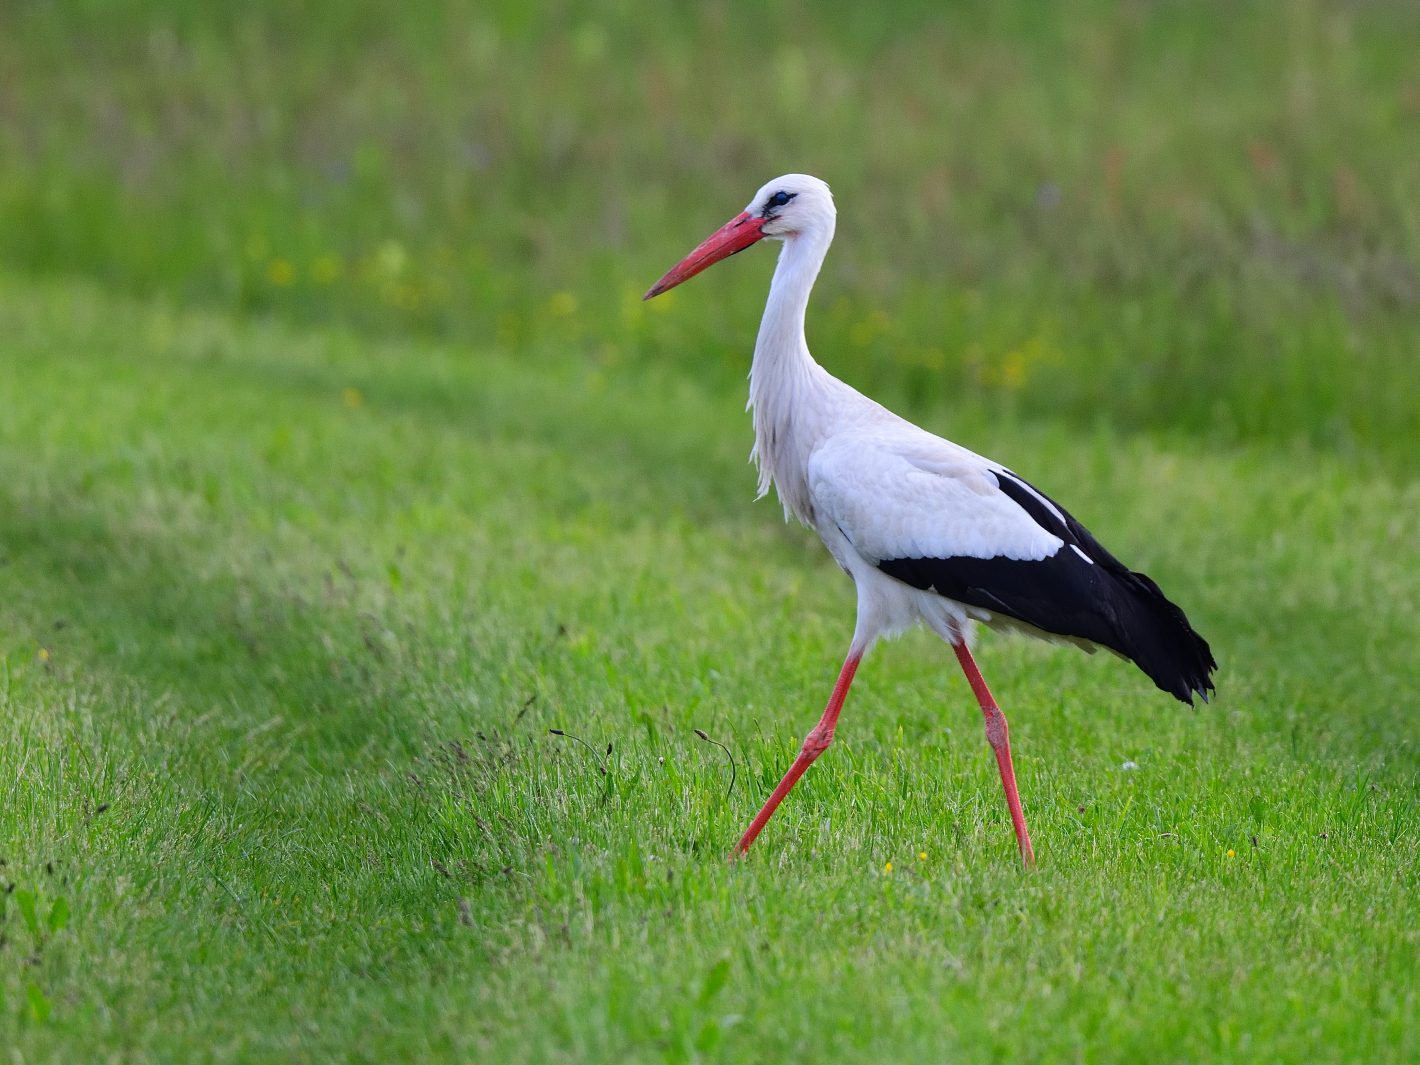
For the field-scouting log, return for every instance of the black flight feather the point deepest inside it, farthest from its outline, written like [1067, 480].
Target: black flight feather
[1081, 591]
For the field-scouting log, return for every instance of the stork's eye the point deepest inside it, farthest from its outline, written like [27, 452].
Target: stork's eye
[779, 199]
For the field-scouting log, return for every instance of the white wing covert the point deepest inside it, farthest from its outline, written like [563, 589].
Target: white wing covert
[898, 496]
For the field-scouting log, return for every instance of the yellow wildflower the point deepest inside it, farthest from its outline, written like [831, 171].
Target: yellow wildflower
[327, 269]
[279, 273]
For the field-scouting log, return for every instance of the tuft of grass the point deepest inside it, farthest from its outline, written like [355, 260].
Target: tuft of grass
[278, 670]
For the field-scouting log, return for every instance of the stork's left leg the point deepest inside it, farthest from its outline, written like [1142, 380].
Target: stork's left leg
[998, 736]
[815, 744]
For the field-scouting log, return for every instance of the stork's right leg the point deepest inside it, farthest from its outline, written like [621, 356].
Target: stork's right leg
[815, 744]
[999, 737]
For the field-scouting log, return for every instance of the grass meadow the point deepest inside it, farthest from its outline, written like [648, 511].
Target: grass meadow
[340, 462]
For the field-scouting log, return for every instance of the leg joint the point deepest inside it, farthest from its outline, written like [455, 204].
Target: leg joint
[817, 741]
[997, 734]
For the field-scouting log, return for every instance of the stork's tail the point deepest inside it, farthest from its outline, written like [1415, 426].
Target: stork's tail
[1155, 634]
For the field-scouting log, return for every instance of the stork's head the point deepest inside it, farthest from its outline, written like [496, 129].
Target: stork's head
[788, 207]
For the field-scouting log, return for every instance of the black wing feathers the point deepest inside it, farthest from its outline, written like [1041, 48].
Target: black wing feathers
[1081, 591]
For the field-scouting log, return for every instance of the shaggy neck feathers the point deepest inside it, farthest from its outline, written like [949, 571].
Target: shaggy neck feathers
[783, 371]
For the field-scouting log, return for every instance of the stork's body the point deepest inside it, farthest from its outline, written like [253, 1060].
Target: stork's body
[929, 532]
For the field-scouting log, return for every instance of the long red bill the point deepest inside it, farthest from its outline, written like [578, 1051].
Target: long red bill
[735, 235]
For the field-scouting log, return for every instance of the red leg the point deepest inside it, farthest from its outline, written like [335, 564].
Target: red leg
[999, 737]
[815, 744]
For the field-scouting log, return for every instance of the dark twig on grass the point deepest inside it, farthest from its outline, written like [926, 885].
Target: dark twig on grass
[728, 754]
[601, 767]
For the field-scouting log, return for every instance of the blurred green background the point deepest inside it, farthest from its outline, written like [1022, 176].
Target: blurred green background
[1202, 216]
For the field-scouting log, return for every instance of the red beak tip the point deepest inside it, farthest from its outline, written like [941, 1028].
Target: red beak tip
[733, 236]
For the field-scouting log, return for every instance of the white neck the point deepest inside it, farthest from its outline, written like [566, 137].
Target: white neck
[783, 372]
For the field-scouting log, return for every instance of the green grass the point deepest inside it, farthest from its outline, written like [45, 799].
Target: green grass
[305, 644]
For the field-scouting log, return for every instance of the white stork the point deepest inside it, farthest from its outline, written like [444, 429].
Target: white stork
[929, 532]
